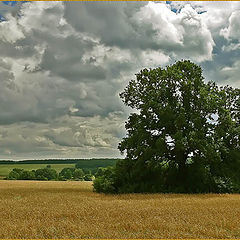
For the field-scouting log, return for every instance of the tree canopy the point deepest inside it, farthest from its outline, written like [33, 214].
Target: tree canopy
[184, 136]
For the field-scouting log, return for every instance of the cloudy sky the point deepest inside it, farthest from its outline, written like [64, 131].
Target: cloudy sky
[63, 65]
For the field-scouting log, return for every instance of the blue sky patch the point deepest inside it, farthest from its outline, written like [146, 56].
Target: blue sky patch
[10, 3]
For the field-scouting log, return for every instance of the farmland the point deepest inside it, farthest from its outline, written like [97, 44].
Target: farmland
[33, 209]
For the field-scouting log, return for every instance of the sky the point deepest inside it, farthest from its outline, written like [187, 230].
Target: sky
[63, 65]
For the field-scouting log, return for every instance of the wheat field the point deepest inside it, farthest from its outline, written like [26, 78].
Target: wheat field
[34, 209]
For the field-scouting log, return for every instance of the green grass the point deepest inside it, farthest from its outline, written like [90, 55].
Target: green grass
[6, 168]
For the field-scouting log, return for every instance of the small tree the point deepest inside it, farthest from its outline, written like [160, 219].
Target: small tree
[15, 174]
[78, 174]
[185, 136]
[46, 174]
[100, 172]
[67, 173]
[27, 175]
[88, 177]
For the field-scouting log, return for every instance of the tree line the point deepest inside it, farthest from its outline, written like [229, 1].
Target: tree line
[48, 173]
[85, 163]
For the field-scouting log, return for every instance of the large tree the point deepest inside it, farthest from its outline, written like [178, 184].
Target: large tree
[184, 136]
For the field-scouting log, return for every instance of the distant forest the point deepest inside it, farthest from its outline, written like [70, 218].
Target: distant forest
[85, 163]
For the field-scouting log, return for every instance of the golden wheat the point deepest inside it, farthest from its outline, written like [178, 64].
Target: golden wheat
[32, 209]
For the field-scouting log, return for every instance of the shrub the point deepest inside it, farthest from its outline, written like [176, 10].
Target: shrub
[104, 182]
[67, 173]
[46, 174]
[88, 177]
[78, 174]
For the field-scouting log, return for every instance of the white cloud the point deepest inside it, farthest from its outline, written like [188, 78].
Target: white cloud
[213, 13]
[163, 20]
[231, 47]
[184, 34]
[231, 74]
[41, 16]
[10, 31]
[233, 30]
[153, 58]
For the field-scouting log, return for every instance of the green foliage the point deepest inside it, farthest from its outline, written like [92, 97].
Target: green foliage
[5, 169]
[85, 163]
[74, 174]
[99, 172]
[15, 174]
[27, 175]
[49, 173]
[46, 174]
[104, 182]
[88, 177]
[21, 174]
[78, 174]
[67, 173]
[87, 171]
[88, 165]
[184, 138]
